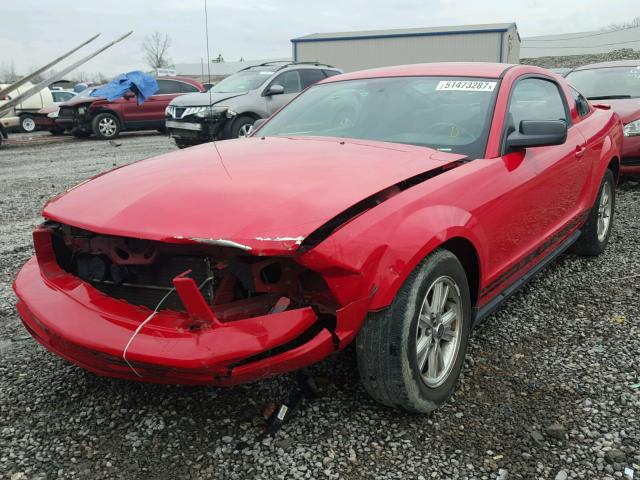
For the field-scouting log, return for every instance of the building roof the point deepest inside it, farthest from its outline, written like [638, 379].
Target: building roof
[406, 32]
[452, 69]
[580, 43]
[220, 69]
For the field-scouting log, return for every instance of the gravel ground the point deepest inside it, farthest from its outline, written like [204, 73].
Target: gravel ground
[547, 393]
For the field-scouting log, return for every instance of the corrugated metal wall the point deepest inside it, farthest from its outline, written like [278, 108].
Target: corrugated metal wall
[358, 54]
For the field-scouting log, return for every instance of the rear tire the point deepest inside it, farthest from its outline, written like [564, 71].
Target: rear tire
[597, 230]
[410, 355]
[106, 126]
[28, 124]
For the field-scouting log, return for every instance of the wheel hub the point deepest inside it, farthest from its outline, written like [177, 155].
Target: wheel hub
[439, 331]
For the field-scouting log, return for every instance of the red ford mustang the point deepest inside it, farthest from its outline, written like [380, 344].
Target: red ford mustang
[395, 208]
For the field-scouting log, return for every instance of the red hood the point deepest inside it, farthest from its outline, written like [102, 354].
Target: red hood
[267, 194]
[81, 100]
[628, 109]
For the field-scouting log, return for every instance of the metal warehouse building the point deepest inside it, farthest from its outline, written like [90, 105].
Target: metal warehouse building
[498, 42]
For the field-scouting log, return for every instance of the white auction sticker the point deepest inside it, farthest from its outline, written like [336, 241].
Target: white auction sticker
[466, 85]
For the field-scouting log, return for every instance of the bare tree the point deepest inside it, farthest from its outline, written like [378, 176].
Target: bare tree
[156, 50]
[8, 72]
[622, 26]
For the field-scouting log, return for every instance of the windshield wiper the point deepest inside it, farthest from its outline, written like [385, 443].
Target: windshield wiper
[608, 97]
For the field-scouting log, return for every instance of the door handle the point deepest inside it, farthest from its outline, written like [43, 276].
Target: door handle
[580, 151]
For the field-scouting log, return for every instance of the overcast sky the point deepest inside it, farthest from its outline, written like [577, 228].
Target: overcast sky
[36, 31]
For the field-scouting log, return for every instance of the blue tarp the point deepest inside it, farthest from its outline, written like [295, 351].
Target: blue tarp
[140, 83]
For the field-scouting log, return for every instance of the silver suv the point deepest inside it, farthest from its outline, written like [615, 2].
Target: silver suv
[229, 109]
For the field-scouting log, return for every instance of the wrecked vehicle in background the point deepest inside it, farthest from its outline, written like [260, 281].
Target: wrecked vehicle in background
[229, 108]
[86, 114]
[616, 83]
[449, 187]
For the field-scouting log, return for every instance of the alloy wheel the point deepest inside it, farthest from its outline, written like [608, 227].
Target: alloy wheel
[245, 130]
[439, 331]
[107, 127]
[604, 212]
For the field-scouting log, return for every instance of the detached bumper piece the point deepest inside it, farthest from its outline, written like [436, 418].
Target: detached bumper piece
[198, 344]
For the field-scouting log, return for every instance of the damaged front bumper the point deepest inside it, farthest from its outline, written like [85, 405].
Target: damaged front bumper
[199, 345]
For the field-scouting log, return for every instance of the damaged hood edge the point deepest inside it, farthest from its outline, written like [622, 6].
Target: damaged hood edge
[262, 198]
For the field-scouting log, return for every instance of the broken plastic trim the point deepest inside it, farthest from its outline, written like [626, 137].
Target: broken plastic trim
[325, 230]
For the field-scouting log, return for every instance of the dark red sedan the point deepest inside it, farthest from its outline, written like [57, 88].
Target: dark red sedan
[395, 208]
[85, 115]
[617, 84]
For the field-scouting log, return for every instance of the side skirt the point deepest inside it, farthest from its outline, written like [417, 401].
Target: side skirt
[481, 313]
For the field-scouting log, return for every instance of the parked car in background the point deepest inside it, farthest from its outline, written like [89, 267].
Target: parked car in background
[45, 118]
[85, 115]
[230, 107]
[23, 116]
[617, 84]
[450, 186]
[61, 96]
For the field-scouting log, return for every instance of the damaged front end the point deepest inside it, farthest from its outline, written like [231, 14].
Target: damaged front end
[197, 124]
[192, 311]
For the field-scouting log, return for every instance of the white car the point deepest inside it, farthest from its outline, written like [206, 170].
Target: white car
[22, 115]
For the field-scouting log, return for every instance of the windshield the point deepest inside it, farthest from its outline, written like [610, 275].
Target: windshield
[449, 114]
[86, 92]
[243, 81]
[603, 83]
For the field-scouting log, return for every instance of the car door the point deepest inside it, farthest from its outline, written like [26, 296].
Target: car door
[292, 84]
[151, 113]
[541, 186]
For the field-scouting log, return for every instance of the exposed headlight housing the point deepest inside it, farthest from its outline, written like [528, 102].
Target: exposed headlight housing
[82, 110]
[54, 114]
[211, 112]
[632, 129]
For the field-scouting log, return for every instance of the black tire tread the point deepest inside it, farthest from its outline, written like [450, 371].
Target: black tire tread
[378, 346]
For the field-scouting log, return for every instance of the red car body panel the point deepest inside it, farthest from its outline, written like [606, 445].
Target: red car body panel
[144, 196]
[628, 109]
[271, 200]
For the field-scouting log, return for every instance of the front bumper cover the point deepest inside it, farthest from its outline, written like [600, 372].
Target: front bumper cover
[81, 324]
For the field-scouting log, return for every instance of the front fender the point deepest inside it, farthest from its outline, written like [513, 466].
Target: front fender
[375, 253]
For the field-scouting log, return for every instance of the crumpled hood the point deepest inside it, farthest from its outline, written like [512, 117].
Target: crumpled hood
[264, 195]
[202, 99]
[81, 100]
[628, 108]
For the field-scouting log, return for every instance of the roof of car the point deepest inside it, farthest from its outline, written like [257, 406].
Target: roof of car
[181, 79]
[453, 69]
[615, 63]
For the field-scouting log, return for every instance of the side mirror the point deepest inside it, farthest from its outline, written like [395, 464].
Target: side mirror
[275, 90]
[538, 133]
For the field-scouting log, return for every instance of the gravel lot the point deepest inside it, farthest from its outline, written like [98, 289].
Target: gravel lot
[549, 388]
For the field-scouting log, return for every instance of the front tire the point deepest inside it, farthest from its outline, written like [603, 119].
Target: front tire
[411, 354]
[106, 126]
[28, 124]
[241, 127]
[597, 230]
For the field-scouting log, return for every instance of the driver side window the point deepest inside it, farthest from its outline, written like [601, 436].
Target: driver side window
[536, 99]
[290, 81]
